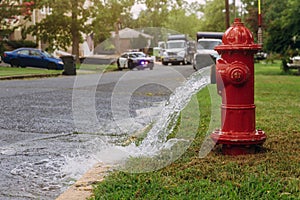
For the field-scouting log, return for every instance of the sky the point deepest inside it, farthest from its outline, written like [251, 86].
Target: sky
[136, 9]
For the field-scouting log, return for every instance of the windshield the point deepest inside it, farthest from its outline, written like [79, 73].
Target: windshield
[137, 55]
[45, 53]
[175, 45]
[208, 44]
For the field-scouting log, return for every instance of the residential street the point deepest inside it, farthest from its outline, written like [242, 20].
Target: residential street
[50, 128]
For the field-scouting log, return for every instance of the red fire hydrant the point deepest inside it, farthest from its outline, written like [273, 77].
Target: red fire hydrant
[235, 83]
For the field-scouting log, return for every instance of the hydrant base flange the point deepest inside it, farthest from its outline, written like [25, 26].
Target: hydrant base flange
[236, 150]
[238, 143]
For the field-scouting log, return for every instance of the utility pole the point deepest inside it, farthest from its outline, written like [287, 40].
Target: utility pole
[227, 14]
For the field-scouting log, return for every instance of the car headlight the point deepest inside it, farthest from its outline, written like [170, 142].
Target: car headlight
[60, 62]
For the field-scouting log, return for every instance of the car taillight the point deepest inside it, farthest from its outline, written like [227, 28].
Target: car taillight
[4, 55]
[144, 62]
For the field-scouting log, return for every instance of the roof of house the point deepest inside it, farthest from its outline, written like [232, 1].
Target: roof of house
[131, 33]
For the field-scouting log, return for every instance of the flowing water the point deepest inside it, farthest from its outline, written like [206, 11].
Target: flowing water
[156, 139]
[157, 136]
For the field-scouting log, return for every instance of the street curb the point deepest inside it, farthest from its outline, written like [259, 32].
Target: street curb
[83, 188]
[29, 76]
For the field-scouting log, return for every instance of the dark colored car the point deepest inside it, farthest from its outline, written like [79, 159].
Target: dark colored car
[137, 60]
[32, 57]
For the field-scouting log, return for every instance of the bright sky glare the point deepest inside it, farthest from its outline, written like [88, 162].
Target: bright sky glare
[136, 9]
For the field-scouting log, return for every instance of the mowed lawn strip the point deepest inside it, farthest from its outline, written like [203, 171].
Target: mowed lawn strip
[273, 173]
[6, 71]
[12, 71]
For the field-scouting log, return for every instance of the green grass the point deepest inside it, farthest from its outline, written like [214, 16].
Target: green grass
[12, 71]
[81, 69]
[97, 68]
[273, 173]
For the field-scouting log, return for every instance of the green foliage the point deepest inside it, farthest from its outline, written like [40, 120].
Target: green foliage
[12, 71]
[64, 25]
[186, 24]
[14, 44]
[214, 17]
[8, 10]
[68, 19]
[21, 43]
[281, 25]
[108, 15]
[11, 12]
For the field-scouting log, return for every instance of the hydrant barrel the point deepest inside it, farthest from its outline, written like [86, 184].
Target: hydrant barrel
[235, 83]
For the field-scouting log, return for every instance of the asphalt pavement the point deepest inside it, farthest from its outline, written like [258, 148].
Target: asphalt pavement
[50, 128]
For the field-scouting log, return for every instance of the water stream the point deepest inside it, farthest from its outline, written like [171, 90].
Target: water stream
[156, 140]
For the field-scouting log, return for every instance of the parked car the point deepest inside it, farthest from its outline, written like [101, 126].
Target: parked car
[294, 62]
[32, 57]
[137, 60]
[260, 56]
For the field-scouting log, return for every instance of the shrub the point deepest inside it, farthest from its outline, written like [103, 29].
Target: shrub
[21, 43]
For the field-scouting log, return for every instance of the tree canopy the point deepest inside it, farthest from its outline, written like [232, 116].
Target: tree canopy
[70, 19]
[10, 14]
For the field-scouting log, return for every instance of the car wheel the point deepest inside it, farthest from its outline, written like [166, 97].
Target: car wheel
[51, 66]
[14, 63]
[118, 64]
[130, 64]
[165, 63]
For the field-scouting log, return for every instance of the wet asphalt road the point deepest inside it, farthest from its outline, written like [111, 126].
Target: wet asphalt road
[50, 127]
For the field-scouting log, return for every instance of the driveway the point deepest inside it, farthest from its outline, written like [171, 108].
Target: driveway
[51, 128]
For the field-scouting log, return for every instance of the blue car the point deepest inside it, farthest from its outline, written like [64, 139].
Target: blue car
[32, 57]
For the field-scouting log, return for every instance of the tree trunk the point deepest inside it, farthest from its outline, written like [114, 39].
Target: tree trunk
[75, 31]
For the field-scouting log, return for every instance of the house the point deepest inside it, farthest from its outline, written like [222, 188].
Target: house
[124, 40]
[37, 15]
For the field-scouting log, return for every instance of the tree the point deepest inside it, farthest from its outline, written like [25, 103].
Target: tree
[281, 26]
[10, 12]
[156, 13]
[180, 21]
[64, 25]
[109, 14]
[213, 16]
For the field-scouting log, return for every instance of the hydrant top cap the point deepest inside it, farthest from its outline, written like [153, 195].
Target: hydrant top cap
[237, 34]
[237, 37]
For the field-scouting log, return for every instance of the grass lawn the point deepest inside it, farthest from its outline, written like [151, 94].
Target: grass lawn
[12, 71]
[81, 69]
[274, 173]
[97, 68]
